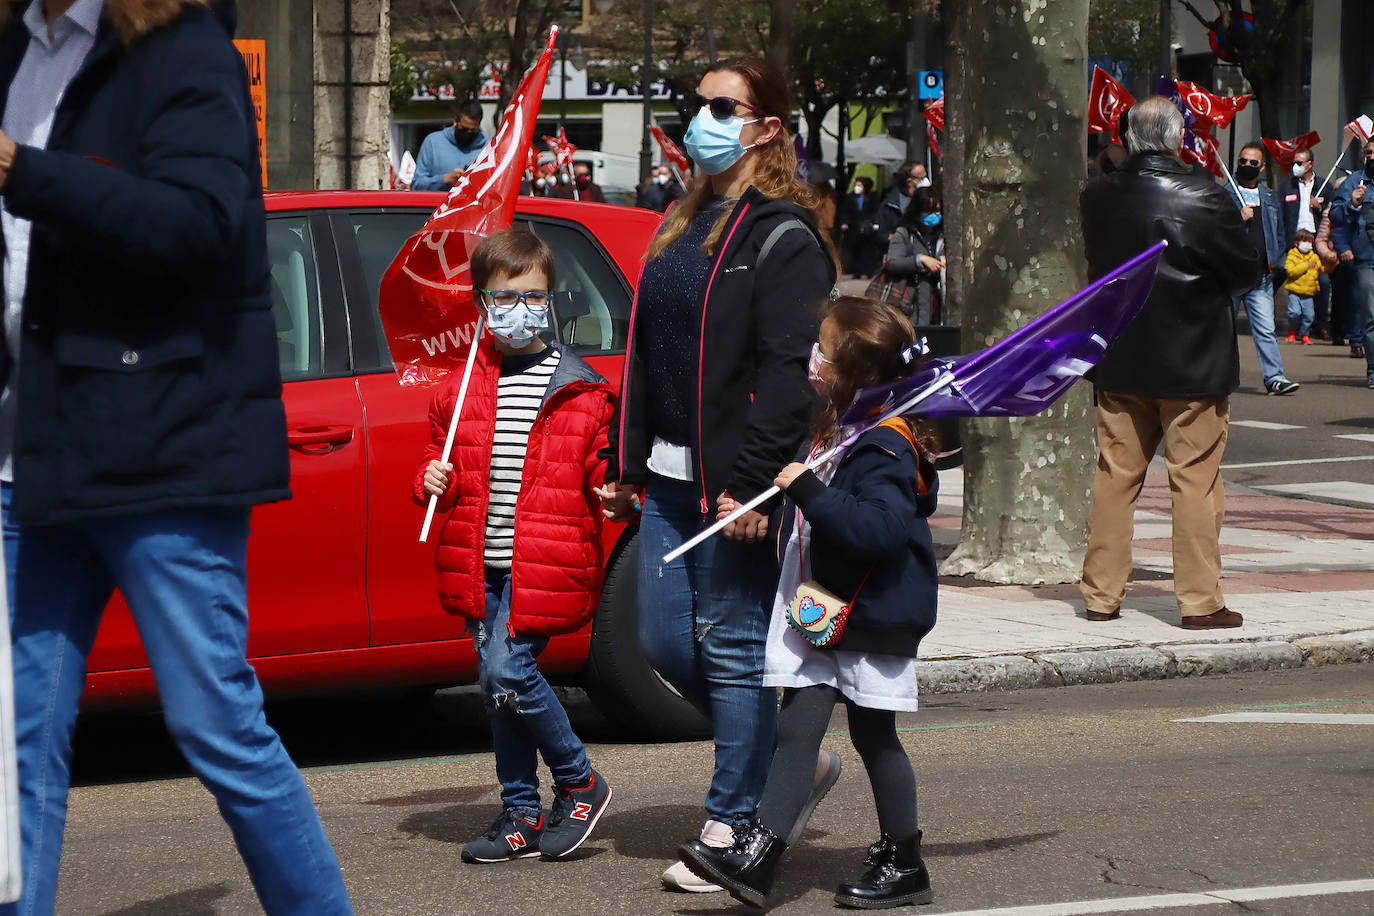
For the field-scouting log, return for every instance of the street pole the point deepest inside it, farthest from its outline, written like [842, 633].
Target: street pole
[562, 41]
[915, 49]
[646, 87]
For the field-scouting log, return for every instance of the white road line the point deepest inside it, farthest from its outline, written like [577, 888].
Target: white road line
[1358, 437]
[1161, 901]
[1289, 718]
[1280, 464]
[1346, 490]
[1264, 424]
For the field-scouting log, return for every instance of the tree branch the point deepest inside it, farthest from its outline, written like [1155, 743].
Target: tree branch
[1206, 23]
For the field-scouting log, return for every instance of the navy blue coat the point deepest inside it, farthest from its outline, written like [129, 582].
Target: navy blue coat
[149, 377]
[871, 522]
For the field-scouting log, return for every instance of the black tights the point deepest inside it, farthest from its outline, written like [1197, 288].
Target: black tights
[801, 726]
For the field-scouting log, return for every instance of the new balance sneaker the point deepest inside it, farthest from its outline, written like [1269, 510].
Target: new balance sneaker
[509, 837]
[576, 809]
[1281, 385]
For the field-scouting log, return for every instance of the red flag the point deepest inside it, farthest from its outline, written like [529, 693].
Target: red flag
[1106, 101]
[670, 150]
[1362, 129]
[1283, 150]
[531, 162]
[1206, 149]
[562, 149]
[1216, 109]
[426, 295]
[934, 114]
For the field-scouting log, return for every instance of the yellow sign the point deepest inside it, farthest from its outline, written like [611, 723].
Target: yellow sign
[254, 51]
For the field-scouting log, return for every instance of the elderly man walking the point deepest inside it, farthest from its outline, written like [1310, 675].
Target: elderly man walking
[1168, 378]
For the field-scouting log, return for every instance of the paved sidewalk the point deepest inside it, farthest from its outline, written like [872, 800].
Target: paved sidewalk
[1301, 573]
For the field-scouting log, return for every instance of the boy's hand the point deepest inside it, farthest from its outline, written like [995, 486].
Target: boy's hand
[789, 474]
[618, 504]
[750, 527]
[437, 477]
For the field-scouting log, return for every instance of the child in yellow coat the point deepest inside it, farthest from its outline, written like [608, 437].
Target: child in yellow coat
[1304, 269]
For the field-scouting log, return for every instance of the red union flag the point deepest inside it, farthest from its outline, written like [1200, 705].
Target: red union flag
[1205, 149]
[935, 119]
[670, 149]
[1216, 109]
[561, 148]
[426, 295]
[1106, 101]
[1362, 129]
[1283, 150]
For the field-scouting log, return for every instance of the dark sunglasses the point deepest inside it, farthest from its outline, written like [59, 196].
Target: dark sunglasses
[723, 107]
[1248, 161]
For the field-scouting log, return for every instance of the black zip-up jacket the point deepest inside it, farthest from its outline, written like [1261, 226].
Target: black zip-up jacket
[758, 323]
[870, 539]
[1182, 344]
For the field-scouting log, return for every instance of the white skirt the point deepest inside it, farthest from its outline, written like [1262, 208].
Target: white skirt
[867, 679]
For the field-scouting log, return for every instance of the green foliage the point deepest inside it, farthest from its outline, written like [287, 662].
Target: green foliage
[1125, 30]
[405, 77]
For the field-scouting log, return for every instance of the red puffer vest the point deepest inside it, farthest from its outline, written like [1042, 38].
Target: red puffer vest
[557, 567]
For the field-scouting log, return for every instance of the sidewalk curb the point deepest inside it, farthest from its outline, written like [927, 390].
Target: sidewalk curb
[1139, 663]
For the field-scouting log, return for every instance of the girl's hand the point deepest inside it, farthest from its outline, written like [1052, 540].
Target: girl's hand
[789, 474]
[750, 527]
[437, 477]
[931, 264]
[618, 504]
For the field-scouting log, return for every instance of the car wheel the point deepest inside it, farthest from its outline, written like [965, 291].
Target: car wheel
[619, 679]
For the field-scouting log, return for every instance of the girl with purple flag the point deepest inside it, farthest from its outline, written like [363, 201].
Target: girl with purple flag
[856, 528]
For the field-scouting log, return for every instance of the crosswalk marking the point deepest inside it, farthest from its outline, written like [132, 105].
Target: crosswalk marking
[1162, 901]
[1280, 464]
[1357, 437]
[1288, 718]
[1345, 490]
[1264, 424]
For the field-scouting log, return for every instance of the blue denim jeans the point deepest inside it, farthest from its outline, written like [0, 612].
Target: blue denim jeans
[1259, 309]
[703, 623]
[526, 716]
[183, 575]
[1363, 302]
[1300, 315]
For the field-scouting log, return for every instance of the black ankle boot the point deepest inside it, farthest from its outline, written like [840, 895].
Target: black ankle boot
[896, 876]
[745, 869]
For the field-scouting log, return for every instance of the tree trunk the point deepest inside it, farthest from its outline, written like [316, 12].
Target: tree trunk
[1017, 146]
[782, 13]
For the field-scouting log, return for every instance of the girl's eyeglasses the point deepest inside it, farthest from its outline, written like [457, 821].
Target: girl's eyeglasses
[501, 301]
[723, 107]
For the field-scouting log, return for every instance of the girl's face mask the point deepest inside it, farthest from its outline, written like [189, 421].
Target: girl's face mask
[813, 371]
[930, 220]
[1304, 247]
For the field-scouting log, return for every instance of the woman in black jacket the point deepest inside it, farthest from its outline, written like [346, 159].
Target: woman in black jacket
[917, 251]
[714, 402]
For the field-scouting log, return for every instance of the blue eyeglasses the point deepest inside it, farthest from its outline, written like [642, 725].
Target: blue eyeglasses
[501, 301]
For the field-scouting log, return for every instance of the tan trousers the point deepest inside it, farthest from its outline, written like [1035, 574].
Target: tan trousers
[1129, 429]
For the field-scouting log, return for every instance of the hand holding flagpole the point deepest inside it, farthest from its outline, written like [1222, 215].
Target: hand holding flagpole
[453, 423]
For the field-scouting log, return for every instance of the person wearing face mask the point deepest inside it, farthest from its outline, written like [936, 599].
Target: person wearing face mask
[862, 254]
[519, 553]
[1304, 268]
[447, 153]
[910, 176]
[714, 402]
[917, 251]
[1259, 208]
[1352, 232]
[1302, 209]
[582, 187]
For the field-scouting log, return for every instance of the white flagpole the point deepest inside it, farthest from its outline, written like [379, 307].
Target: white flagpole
[453, 423]
[1334, 164]
[939, 383]
[1235, 187]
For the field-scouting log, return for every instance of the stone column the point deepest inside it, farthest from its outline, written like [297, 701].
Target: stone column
[352, 66]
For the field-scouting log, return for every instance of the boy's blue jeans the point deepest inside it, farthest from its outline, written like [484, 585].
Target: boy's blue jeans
[183, 575]
[703, 623]
[526, 717]
[1300, 314]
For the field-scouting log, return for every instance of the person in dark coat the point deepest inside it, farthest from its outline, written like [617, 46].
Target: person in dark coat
[916, 252]
[582, 188]
[858, 223]
[1170, 375]
[140, 361]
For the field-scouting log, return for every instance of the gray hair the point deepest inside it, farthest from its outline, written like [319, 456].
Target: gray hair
[1156, 127]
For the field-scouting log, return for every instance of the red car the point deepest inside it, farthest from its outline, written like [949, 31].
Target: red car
[341, 591]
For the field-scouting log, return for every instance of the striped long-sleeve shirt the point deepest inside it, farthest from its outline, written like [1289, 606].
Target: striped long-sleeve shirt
[519, 392]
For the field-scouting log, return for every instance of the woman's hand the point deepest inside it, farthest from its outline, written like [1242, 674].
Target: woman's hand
[789, 474]
[437, 477]
[618, 504]
[931, 264]
[750, 527]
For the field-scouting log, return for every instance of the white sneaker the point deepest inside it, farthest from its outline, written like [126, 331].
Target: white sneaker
[679, 878]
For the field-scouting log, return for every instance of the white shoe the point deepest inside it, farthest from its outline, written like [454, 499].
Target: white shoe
[679, 878]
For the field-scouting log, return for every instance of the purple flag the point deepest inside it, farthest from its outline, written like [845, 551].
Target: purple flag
[1169, 89]
[1032, 367]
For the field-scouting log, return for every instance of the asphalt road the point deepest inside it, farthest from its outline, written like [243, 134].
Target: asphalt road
[1032, 797]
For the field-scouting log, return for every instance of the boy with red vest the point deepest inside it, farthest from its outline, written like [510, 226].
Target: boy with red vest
[524, 459]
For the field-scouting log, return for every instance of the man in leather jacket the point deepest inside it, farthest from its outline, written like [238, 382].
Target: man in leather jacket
[1169, 376]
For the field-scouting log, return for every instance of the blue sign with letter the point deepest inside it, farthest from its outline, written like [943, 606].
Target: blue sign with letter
[932, 84]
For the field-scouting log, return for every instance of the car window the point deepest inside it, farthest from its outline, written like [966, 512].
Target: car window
[591, 311]
[295, 295]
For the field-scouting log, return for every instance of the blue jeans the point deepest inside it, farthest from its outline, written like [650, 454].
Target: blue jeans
[1345, 280]
[1259, 309]
[525, 714]
[703, 623]
[183, 575]
[1363, 303]
[1300, 315]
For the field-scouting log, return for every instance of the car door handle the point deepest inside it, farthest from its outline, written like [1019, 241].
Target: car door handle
[324, 439]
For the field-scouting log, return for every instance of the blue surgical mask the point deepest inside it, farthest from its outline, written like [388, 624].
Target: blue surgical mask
[930, 219]
[714, 144]
[517, 325]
